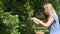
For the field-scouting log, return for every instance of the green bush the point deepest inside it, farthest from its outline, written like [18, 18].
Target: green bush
[15, 15]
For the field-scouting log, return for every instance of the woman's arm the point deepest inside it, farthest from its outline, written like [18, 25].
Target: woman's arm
[47, 24]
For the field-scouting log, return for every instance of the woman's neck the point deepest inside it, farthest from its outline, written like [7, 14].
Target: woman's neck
[53, 11]
[50, 13]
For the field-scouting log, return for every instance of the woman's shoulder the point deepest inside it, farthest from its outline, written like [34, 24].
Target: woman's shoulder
[53, 14]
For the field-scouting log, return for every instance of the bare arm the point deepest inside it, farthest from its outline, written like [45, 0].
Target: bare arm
[47, 24]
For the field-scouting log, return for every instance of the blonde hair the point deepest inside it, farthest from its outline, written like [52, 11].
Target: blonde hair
[50, 7]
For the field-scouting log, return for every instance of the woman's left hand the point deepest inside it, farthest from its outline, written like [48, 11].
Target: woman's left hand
[34, 20]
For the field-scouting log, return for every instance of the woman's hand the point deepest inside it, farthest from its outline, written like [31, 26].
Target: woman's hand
[34, 20]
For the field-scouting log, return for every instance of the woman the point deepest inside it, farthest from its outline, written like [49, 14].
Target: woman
[51, 22]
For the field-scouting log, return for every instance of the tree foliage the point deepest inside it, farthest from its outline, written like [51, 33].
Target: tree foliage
[15, 15]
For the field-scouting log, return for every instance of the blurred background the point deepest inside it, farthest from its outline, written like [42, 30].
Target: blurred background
[15, 15]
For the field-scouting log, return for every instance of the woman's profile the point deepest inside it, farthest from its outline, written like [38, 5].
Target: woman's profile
[51, 19]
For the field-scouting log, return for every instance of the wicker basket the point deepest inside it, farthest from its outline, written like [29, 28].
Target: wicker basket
[39, 31]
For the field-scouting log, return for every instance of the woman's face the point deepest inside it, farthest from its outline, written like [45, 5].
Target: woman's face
[46, 12]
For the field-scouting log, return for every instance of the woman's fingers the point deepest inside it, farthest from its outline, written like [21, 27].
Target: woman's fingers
[34, 20]
[31, 18]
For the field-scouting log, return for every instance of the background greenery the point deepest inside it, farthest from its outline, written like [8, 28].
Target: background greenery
[15, 15]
